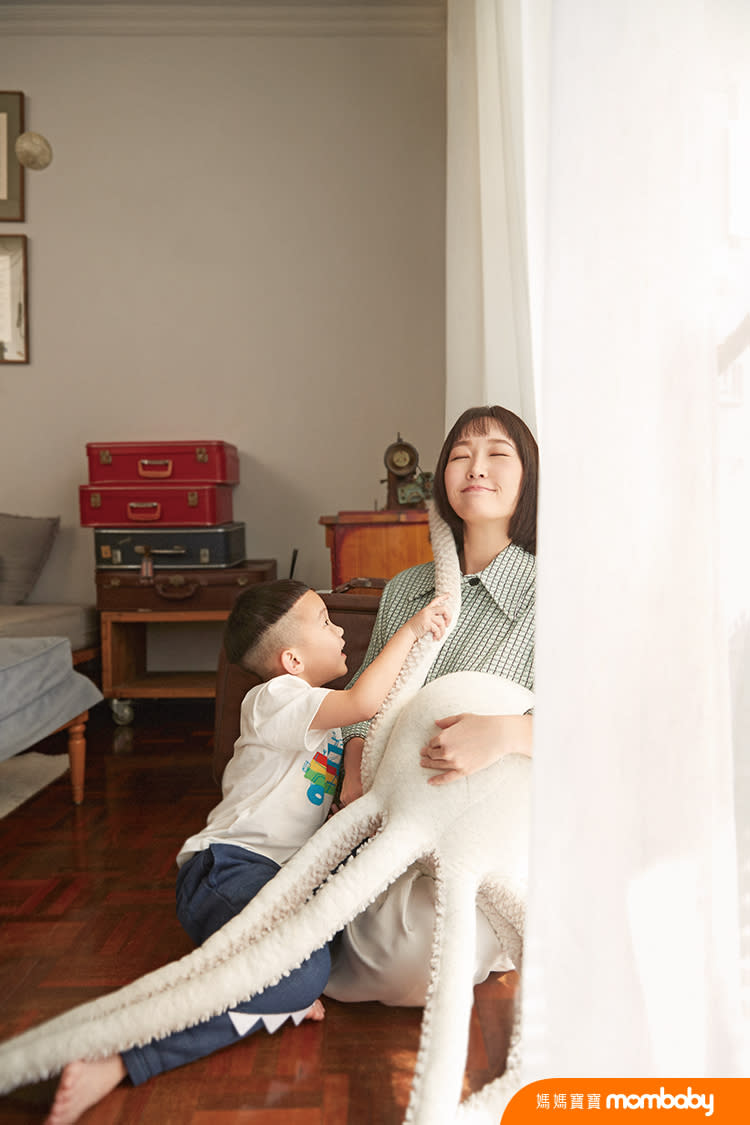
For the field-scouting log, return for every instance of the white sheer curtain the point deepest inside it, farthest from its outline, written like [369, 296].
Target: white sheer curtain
[731, 108]
[632, 957]
[488, 328]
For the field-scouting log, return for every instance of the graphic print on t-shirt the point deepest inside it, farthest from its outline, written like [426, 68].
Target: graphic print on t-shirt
[322, 770]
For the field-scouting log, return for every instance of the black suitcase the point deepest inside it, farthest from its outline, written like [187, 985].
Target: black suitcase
[173, 548]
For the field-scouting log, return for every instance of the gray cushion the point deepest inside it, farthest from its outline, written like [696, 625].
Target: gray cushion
[79, 623]
[25, 544]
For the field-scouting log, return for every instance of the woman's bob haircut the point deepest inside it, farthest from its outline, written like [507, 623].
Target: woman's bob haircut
[478, 420]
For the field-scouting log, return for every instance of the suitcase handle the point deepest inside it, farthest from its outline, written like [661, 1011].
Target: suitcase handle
[148, 467]
[143, 549]
[175, 592]
[144, 510]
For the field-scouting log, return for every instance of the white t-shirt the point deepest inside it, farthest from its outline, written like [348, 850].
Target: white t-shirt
[279, 784]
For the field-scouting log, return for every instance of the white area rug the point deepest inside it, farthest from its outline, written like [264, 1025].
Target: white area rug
[23, 776]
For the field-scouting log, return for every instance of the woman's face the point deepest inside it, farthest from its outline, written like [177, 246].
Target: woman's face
[483, 477]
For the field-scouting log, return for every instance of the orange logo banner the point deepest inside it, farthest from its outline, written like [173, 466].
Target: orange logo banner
[588, 1101]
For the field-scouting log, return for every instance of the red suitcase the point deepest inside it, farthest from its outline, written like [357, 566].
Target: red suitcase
[173, 505]
[212, 462]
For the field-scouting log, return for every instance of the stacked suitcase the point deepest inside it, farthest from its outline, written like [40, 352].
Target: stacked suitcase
[164, 532]
[162, 505]
[168, 552]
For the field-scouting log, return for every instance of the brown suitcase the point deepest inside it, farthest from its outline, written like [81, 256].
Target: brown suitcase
[179, 590]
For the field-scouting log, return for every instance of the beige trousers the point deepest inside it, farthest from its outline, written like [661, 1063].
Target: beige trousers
[385, 953]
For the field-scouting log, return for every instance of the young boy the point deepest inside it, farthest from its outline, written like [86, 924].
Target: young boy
[276, 791]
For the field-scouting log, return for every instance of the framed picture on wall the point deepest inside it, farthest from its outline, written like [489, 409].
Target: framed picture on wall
[11, 170]
[14, 311]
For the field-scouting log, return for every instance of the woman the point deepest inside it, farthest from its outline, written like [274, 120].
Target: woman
[486, 491]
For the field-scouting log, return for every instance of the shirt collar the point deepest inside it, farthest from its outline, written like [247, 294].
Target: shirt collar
[508, 579]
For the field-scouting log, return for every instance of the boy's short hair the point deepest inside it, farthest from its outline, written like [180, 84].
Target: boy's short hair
[250, 636]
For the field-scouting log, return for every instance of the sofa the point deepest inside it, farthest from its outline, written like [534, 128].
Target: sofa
[25, 546]
[41, 646]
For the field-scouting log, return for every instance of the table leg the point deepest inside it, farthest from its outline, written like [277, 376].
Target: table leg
[77, 755]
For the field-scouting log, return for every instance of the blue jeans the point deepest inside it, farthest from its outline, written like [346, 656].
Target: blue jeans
[212, 887]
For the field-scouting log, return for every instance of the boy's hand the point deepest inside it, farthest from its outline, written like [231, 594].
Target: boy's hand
[434, 618]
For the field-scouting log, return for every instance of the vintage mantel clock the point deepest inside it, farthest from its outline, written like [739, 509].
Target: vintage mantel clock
[378, 543]
[408, 486]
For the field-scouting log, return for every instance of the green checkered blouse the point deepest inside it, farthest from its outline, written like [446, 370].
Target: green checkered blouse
[495, 628]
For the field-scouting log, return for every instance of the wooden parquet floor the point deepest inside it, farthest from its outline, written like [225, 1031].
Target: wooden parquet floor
[86, 905]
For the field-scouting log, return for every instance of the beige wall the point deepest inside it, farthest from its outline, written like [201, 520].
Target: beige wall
[240, 237]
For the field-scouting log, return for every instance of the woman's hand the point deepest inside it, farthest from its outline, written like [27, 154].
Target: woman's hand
[352, 784]
[465, 744]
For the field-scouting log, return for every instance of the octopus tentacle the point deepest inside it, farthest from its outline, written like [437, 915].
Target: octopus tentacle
[423, 653]
[277, 899]
[487, 1105]
[503, 904]
[231, 966]
[436, 1089]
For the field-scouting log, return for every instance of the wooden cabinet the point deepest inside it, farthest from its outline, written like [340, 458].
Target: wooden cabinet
[375, 544]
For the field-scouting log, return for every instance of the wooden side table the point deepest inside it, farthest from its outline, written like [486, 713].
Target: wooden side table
[124, 671]
[376, 544]
[128, 604]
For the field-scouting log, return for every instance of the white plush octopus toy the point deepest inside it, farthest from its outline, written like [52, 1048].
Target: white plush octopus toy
[471, 834]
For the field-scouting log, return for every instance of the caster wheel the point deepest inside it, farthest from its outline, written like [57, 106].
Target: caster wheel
[122, 740]
[123, 711]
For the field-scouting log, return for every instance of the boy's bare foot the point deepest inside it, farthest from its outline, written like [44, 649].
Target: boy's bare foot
[317, 1012]
[83, 1084]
